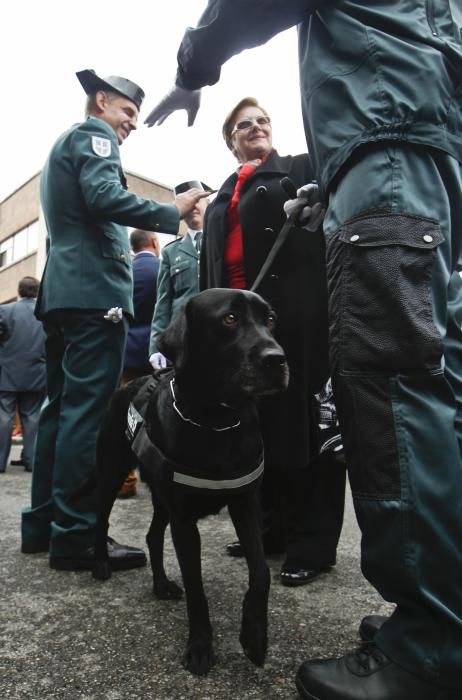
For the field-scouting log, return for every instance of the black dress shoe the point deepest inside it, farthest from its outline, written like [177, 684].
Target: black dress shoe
[370, 625]
[234, 549]
[365, 674]
[121, 557]
[17, 463]
[299, 576]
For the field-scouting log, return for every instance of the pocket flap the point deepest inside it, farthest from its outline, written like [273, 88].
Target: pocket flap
[179, 267]
[392, 229]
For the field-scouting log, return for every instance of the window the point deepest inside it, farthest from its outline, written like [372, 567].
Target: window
[6, 252]
[19, 245]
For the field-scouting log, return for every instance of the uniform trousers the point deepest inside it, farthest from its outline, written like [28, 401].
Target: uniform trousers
[84, 358]
[394, 237]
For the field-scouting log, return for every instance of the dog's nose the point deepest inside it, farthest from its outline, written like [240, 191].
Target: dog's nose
[273, 358]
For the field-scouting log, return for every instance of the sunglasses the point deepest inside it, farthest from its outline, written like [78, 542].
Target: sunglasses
[247, 123]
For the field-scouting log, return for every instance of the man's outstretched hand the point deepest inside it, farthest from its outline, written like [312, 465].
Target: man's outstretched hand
[177, 98]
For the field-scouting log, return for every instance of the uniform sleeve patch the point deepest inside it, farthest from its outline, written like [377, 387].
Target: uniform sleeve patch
[101, 146]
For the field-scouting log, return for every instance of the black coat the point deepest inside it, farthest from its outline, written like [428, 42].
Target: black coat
[295, 286]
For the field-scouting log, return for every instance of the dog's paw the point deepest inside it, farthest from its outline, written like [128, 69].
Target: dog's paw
[254, 642]
[167, 590]
[102, 570]
[199, 657]
[254, 628]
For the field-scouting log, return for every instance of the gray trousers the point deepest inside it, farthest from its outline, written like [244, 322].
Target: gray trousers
[28, 404]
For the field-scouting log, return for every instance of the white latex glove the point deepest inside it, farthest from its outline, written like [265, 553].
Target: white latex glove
[115, 314]
[308, 207]
[158, 361]
[177, 98]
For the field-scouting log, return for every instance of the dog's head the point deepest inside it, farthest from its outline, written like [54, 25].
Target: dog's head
[222, 344]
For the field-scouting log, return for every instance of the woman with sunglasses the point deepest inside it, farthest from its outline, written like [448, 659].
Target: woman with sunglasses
[302, 495]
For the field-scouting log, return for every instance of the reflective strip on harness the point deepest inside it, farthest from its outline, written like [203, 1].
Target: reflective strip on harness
[218, 485]
[166, 470]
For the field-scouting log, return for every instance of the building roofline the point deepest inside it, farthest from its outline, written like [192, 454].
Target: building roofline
[126, 171]
[148, 179]
[32, 177]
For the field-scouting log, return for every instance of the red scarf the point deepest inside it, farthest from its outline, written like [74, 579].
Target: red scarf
[234, 251]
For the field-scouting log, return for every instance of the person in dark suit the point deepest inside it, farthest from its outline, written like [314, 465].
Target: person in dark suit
[146, 249]
[22, 371]
[302, 495]
[85, 301]
[179, 272]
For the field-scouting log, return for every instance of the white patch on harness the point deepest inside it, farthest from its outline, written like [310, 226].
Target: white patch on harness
[134, 420]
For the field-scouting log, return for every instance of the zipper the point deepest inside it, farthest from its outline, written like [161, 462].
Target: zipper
[431, 23]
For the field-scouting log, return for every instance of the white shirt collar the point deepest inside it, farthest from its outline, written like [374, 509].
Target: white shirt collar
[145, 251]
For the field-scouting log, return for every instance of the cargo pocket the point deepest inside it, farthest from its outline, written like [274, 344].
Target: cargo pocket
[379, 270]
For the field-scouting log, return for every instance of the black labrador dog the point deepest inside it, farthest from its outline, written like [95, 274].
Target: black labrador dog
[201, 449]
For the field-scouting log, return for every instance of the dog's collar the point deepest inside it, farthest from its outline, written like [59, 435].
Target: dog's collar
[193, 422]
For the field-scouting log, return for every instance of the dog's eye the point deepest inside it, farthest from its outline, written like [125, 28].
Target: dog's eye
[271, 320]
[230, 319]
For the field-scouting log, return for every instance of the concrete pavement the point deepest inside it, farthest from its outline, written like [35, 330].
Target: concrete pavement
[65, 636]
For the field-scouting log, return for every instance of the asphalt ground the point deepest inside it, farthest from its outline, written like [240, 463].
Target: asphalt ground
[65, 636]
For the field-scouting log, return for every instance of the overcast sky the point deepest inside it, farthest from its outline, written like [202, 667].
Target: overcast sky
[43, 44]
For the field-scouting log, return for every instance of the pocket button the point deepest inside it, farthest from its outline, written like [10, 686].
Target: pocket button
[427, 238]
[354, 238]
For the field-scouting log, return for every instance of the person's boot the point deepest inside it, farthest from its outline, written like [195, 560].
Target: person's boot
[370, 625]
[366, 674]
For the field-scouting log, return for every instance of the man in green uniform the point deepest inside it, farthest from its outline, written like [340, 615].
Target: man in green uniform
[178, 278]
[85, 301]
[382, 105]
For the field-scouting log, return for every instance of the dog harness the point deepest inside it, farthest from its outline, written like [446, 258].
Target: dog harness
[165, 469]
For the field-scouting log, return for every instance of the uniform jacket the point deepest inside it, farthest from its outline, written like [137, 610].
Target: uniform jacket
[22, 348]
[87, 208]
[295, 287]
[364, 68]
[145, 270]
[178, 281]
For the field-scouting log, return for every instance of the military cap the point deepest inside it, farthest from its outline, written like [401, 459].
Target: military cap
[189, 184]
[91, 83]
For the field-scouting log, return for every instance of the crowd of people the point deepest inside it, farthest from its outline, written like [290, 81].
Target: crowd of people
[368, 298]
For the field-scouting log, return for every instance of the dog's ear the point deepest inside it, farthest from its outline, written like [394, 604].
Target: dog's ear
[173, 342]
